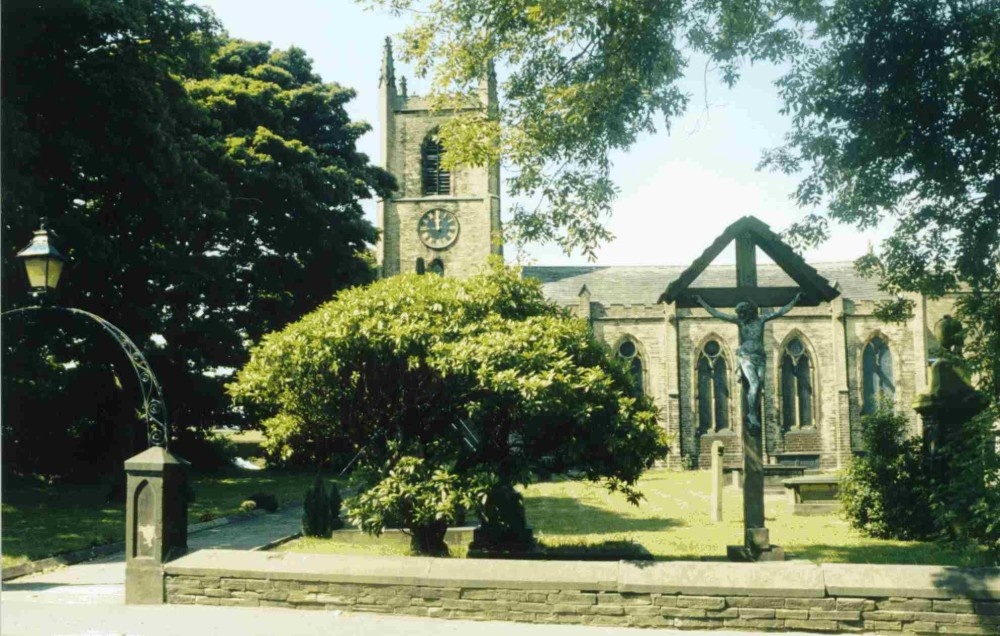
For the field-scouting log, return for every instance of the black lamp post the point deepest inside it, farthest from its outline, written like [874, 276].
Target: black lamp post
[43, 264]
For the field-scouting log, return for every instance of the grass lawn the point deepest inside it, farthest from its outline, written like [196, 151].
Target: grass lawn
[674, 523]
[39, 519]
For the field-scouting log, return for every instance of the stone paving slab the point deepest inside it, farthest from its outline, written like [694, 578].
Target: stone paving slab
[344, 568]
[723, 579]
[913, 581]
[389, 570]
[796, 580]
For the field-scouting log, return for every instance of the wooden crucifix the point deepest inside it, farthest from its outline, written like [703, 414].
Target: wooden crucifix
[750, 233]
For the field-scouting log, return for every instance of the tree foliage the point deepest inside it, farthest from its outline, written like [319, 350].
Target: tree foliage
[205, 189]
[896, 115]
[481, 379]
[894, 109]
[583, 79]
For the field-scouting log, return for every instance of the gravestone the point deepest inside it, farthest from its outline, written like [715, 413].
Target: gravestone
[718, 450]
[750, 233]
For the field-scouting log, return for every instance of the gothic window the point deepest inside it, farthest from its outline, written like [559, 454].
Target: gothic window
[436, 267]
[436, 180]
[420, 266]
[713, 389]
[876, 375]
[796, 386]
[627, 351]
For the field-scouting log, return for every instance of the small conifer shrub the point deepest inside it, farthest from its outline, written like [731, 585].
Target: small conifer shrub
[336, 523]
[316, 517]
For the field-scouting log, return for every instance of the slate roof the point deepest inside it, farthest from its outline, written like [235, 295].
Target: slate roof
[643, 285]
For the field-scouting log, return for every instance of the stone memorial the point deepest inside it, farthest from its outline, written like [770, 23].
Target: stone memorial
[950, 401]
[749, 234]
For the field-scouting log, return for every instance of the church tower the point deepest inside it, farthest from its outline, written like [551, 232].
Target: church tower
[440, 221]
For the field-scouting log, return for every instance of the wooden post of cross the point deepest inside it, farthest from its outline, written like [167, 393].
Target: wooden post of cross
[756, 539]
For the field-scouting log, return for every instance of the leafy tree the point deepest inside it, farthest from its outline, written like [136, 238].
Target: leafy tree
[206, 190]
[893, 105]
[895, 114]
[583, 79]
[480, 382]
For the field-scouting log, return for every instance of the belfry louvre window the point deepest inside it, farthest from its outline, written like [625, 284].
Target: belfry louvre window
[436, 179]
[713, 389]
[796, 387]
[876, 375]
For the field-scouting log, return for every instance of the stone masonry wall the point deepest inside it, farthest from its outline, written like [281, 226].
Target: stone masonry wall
[832, 614]
[884, 599]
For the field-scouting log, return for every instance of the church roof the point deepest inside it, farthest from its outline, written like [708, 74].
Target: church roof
[644, 285]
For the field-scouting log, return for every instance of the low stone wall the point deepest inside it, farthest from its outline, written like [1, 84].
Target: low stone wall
[699, 595]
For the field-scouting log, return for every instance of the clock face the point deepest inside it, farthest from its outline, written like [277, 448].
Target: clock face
[438, 229]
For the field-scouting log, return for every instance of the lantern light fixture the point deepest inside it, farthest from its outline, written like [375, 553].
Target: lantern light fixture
[43, 263]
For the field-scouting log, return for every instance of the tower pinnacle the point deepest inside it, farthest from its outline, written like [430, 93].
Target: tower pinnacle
[388, 76]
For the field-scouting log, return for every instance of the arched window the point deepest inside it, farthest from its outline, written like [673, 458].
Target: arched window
[876, 375]
[420, 266]
[713, 389]
[796, 386]
[436, 180]
[627, 351]
[436, 267]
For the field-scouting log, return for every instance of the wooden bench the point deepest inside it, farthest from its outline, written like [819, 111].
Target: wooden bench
[813, 494]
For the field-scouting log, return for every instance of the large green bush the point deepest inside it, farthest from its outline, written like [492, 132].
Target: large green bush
[884, 492]
[965, 496]
[895, 490]
[480, 378]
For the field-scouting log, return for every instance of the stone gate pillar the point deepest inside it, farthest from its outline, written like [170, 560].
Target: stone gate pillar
[155, 521]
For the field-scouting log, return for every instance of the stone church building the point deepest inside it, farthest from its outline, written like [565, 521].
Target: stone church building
[827, 364]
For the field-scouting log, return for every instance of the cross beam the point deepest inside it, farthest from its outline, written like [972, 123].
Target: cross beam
[730, 297]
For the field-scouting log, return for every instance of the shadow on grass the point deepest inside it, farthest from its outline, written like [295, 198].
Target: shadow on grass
[604, 551]
[568, 516]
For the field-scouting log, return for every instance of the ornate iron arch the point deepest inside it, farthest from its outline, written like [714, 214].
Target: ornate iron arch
[153, 408]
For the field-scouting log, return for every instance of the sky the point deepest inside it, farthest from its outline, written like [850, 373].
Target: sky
[679, 188]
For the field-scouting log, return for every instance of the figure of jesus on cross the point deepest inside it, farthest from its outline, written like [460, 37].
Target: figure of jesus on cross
[750, 354]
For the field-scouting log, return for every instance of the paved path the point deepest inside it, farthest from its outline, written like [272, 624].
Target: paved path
[103, 580]
[89, 599]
